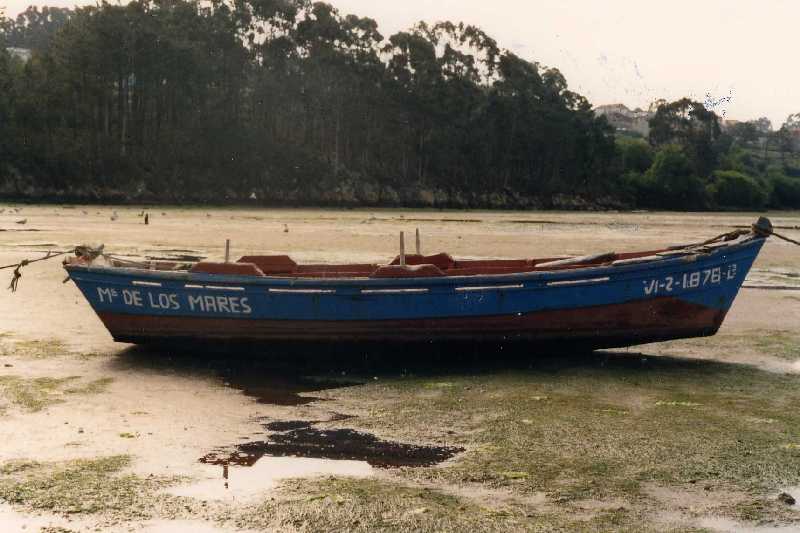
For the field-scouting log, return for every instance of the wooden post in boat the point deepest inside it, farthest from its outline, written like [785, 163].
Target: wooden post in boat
[227, 250]
[402, 249]
[419, 248]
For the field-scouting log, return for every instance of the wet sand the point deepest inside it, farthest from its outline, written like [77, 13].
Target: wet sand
[167, 411]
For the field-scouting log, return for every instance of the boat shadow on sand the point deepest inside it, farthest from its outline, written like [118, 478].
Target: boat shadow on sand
[296, 368]
[290, 375]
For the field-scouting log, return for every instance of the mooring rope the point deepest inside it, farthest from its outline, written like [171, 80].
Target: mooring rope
[79, 251]
[763, 228]
[783, 237]
[25, 262]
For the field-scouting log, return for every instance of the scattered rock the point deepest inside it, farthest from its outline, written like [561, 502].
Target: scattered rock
[785, 497]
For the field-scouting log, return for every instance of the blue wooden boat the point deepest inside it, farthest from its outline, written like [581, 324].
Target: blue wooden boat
[608, 300]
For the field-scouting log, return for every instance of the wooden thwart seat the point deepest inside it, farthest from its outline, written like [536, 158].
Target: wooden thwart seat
[271, 264]
[417, 266]
[228, 269]
[408, 271]
[441, 261]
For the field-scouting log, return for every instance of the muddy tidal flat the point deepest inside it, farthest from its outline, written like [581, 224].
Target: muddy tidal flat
[695, 435]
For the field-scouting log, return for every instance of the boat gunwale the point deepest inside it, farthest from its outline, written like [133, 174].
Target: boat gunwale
[517, 277]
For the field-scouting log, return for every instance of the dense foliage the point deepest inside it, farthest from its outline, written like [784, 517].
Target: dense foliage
[285, 99]
[292, 101]
[688, 162]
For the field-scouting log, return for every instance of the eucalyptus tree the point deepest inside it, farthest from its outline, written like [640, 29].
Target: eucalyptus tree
[691, 125]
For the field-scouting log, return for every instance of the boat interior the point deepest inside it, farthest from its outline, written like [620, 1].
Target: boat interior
[410, 266]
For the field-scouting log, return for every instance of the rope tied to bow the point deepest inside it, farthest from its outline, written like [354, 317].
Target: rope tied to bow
[763, 228]
[15, 277]
[80, 251]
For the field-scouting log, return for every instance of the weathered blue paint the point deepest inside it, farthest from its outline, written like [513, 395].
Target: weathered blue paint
[710, 280]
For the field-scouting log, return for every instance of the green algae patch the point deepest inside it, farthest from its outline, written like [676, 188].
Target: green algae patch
[96, 386]
[394, 505]
[82, 486]
[675, 403]
[350, 504]
[35, 394]
[611, 425]
[39, 349]
[34, 349]
[97, 486]
[783, 345]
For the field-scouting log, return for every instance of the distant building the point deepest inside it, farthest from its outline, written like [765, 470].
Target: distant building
[23, 54]
[626, 120]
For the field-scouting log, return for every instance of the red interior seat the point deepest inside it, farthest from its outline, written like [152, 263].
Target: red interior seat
[229, 269]
[442, 261]
[408, 271]
[271, 264]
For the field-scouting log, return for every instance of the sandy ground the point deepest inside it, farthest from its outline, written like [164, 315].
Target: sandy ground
[167, 415]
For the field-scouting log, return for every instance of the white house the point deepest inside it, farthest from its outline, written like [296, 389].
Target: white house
[625, 119]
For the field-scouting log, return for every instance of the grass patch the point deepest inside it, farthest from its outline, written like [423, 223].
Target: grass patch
[347, 504]
[93, 387]
[82, 486]
[35, 394]
[32, 394]
[369, 504]
[34, 349]
[780, 344]
[38, 349]
[611, 424]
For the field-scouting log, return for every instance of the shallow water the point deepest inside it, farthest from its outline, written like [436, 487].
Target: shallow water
[241, 484]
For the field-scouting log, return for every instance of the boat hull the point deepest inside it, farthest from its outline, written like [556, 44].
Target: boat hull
[598, 327]
[595, 308]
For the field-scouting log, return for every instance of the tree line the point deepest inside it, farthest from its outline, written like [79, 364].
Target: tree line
[293, 102]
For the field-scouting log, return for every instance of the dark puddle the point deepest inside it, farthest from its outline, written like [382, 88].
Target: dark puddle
[281, 389]
[301, 439]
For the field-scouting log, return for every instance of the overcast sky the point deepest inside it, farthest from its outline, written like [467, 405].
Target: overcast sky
[740, 56]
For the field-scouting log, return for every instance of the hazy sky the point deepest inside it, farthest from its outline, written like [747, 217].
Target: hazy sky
[740, 55]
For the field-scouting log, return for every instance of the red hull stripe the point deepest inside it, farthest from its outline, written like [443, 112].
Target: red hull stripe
[602, 326]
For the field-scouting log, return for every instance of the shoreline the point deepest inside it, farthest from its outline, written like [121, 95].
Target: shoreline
[112, 201]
